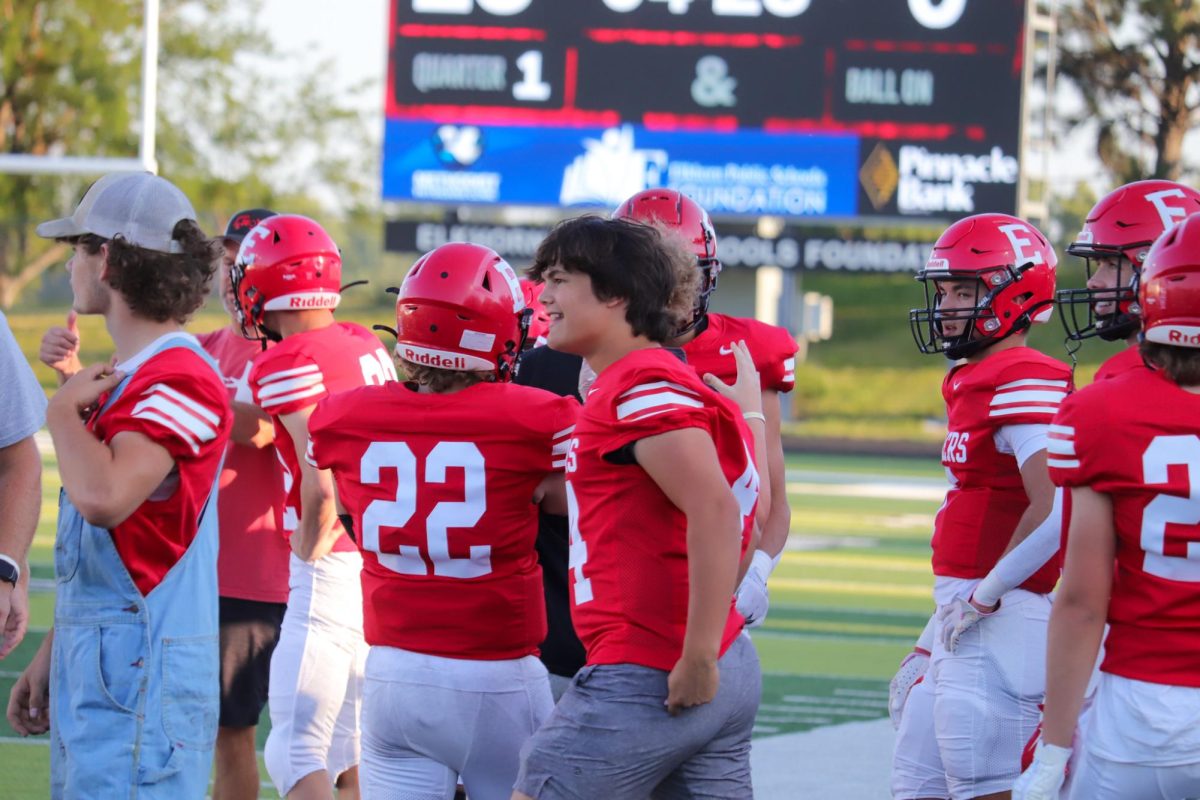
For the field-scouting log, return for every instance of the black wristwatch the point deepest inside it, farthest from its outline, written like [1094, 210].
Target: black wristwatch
[10, 571]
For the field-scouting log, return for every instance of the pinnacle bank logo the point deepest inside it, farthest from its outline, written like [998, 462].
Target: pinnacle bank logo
[431, 359]
[930, 182]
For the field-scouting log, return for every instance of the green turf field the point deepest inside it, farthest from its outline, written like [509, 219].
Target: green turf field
[848, 599]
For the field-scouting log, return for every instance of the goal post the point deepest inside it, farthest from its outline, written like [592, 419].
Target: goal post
[29, 164]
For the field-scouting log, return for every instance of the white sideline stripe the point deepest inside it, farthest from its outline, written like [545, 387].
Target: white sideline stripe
[646, 387]
[1032, 382]
[881, 694]
[277, 401]
[1060, 447]
[884, 491]
[1062, 463]
[811, 699]
[287, 373]
[1008, 398]
[283, 387]
[1004, 412]
[655, 400]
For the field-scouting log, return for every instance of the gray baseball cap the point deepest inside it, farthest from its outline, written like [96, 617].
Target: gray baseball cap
[138, 207]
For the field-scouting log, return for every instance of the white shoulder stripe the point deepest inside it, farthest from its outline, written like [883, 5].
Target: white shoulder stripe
[646, 387]
[290, 398]
[292, 385]
[789, 364]
[1062, 430]
[283, 374]
[1062, 463]
[1060, 447]
[185, 401]
[1029, 396]
[159, 407]
[656, 400]
[170, 424]
[1049, 411]
[1042, 382]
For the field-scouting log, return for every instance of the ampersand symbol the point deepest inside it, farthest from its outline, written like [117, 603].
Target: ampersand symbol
[713, 85]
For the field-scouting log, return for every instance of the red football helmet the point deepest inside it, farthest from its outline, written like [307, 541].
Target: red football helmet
[539, 321]
[671, 209]
[1169, 289]
[286, 263]
[1122, 225]
[1014, 264]
[461, 308]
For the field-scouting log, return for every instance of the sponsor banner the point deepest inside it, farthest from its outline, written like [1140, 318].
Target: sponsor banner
[939, 179]
[738, 246]
[810, 176]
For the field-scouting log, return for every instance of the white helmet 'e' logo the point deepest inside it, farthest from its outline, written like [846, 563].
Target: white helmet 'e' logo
[1019, 243]
[1167, 213]
[257, 232]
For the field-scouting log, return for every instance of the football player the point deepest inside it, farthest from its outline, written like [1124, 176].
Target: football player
[252, 563]
[287, 280]
[707, 340]
[1131, 475]
[995, 542]
[661, 492]
[1114, 240]
[131, 663]
[438, 474]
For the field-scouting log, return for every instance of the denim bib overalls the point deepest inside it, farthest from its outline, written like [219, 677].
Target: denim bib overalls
[133, 679]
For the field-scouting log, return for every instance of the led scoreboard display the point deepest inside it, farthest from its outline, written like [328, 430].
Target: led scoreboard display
[799, 108]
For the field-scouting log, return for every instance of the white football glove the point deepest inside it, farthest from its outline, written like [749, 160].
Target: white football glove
[752, 597]
[957, 618]
[912, 671]
[1044, 778]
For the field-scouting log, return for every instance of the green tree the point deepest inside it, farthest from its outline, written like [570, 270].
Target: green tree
[231, 132]
[1136, 64]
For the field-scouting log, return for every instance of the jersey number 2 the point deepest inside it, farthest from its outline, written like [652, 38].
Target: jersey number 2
[1182, 562]
[445, 515]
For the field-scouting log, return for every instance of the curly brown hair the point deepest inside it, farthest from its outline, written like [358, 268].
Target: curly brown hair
[439, 380]
[165, 286]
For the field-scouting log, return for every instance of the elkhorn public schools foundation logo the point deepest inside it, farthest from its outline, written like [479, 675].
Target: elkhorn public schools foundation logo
[458, 146]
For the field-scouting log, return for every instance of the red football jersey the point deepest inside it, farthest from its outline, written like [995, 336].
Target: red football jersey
[1018, 386]
[440, 487]
[1146, 457]
[1124, 361]
[629, 559]
[176, 399]
[303, 370]
[772, 348]
[252, 563]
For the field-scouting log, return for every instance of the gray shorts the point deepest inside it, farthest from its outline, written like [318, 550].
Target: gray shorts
[611, 736]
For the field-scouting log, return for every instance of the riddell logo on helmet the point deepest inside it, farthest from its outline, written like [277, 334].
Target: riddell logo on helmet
[1178, 337]
[309, 301]
[434, 359]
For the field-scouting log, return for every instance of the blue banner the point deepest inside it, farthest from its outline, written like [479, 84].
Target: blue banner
[747, 172]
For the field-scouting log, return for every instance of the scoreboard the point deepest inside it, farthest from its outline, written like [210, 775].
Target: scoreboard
[798, 108]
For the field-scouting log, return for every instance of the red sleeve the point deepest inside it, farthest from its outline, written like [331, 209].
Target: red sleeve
[775, 356]
[563, 411]
[178, 403]
[322, 431]
[1029, 393]
[285, 381]
[652, 403]
[1074, 452]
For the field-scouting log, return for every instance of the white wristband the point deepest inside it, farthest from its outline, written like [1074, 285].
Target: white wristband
[762, 564]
